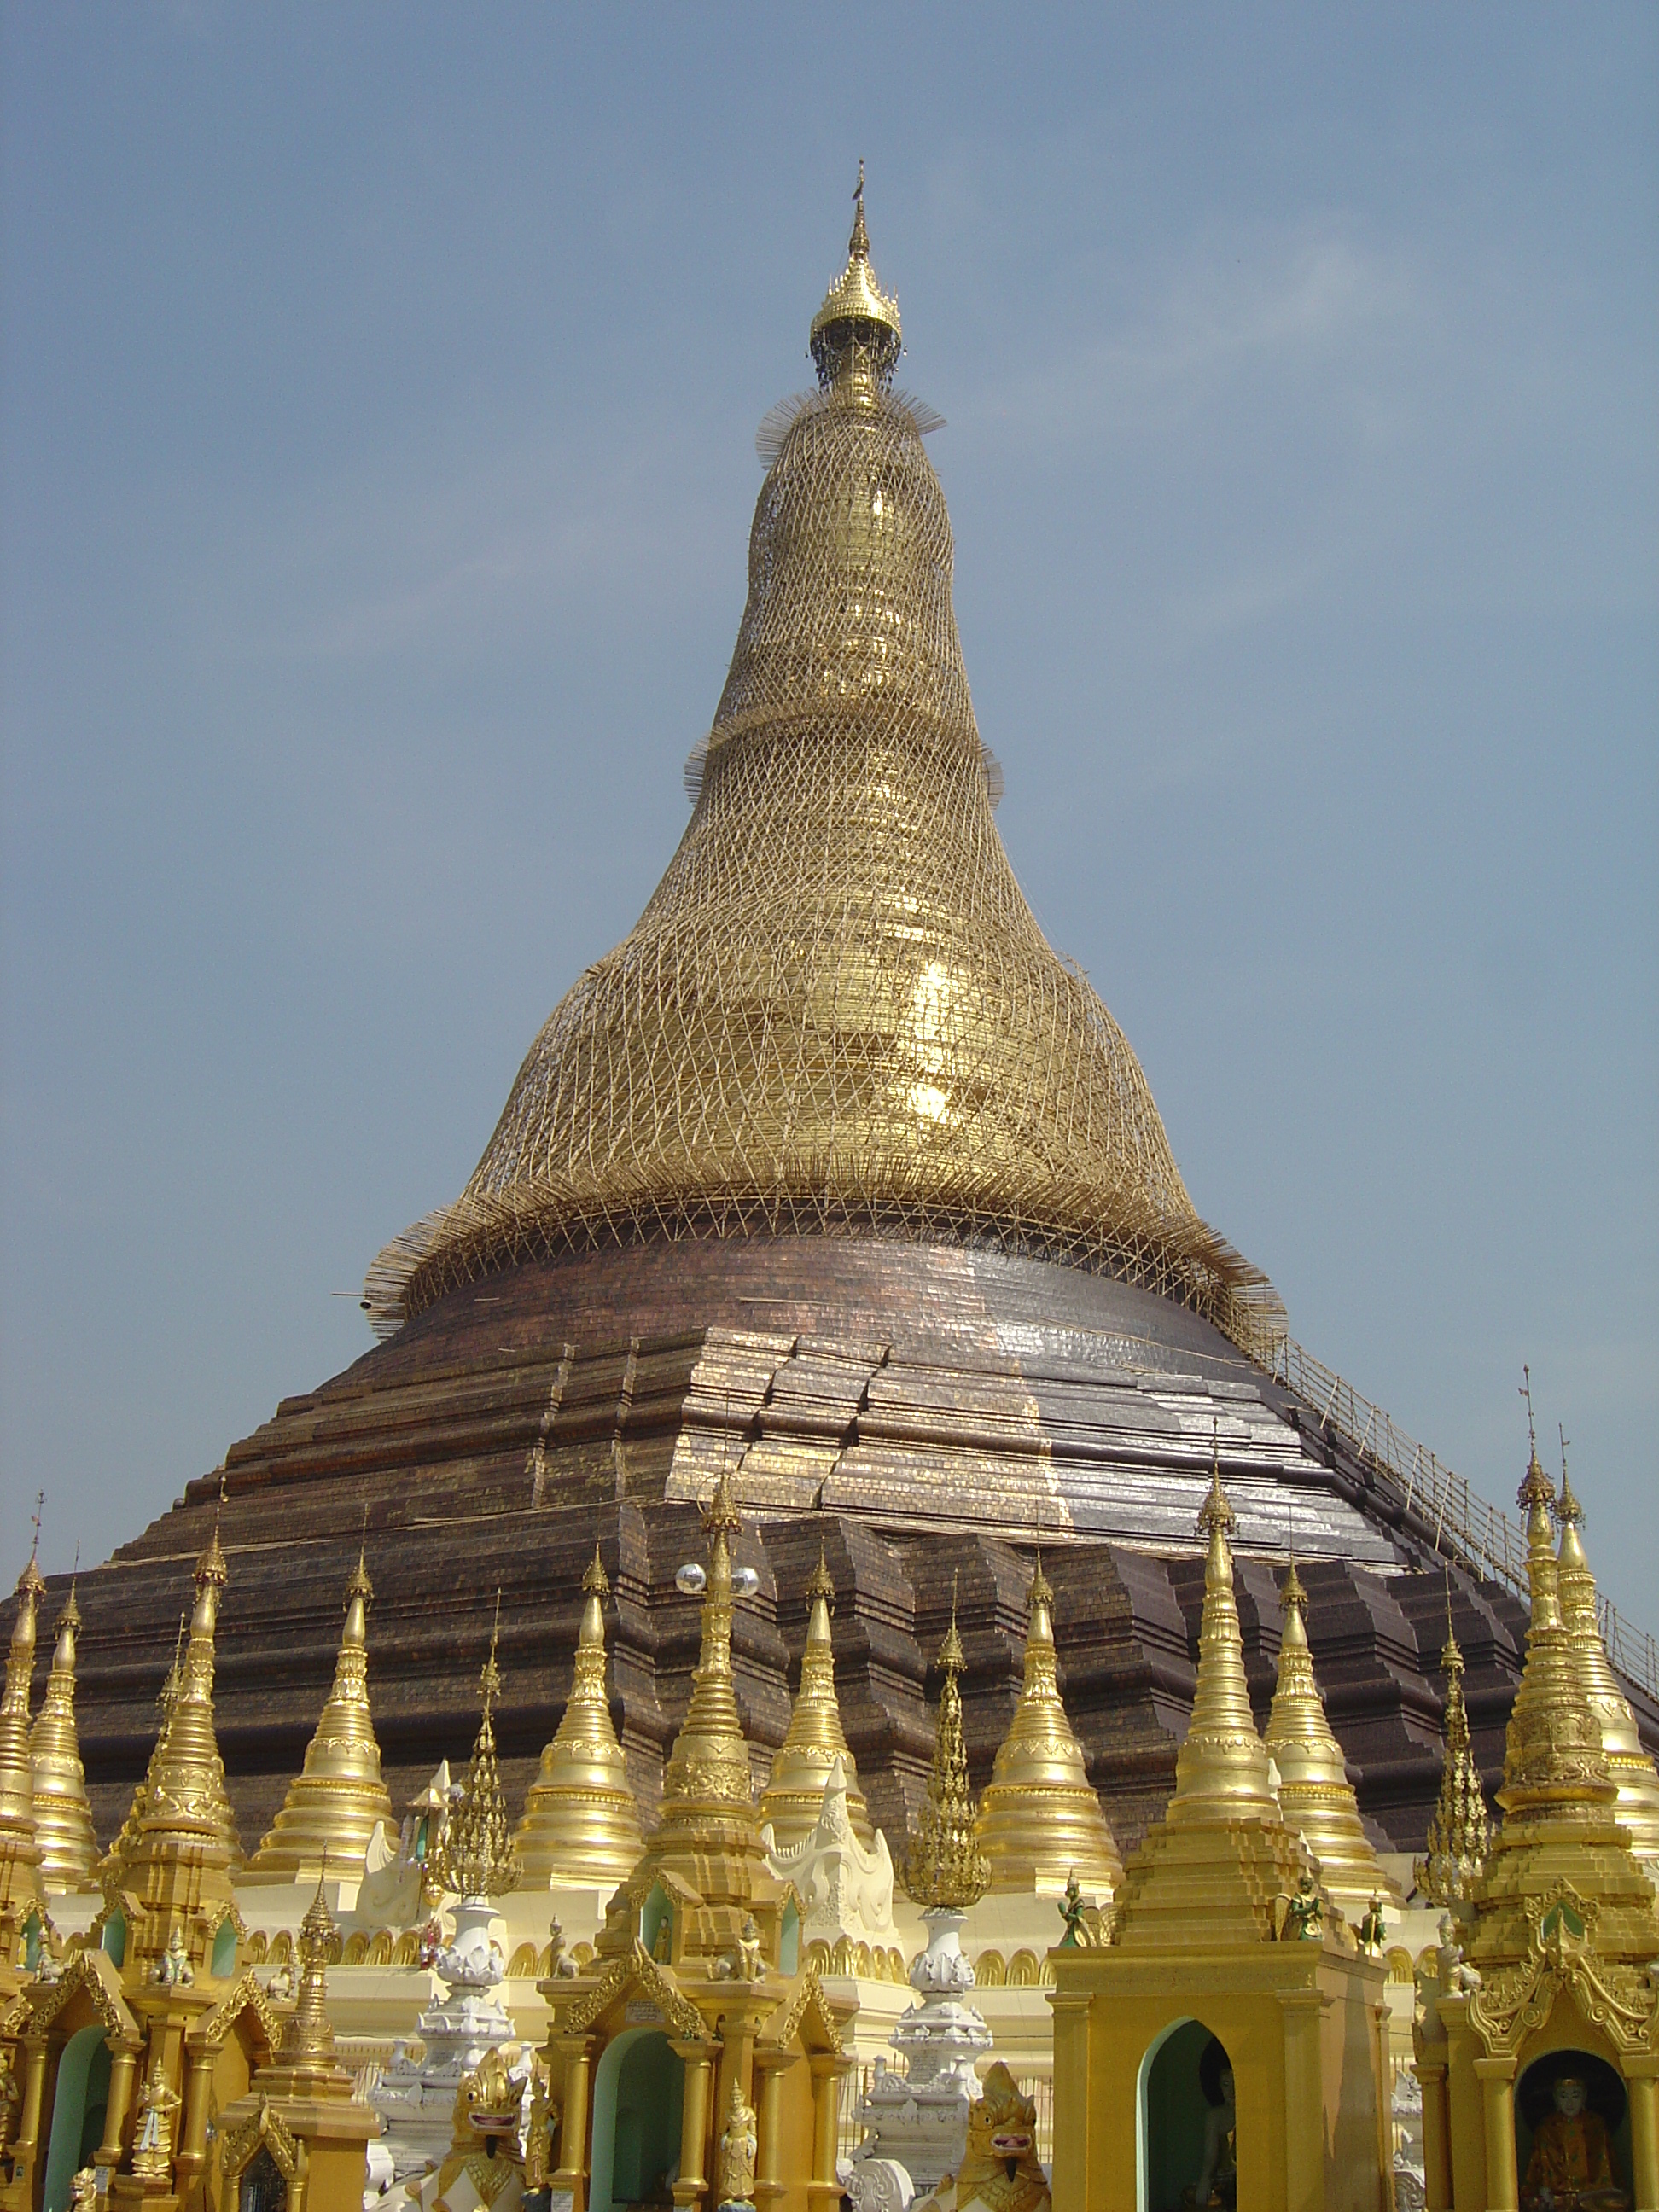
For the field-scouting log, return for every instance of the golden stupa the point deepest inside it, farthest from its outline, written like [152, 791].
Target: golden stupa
[837, 1013]
[112, 1865]
[1552, 1964]
[1315, 1793]
[580, 1821]
[20, 1850]
[1221, 1936]
[1631, 1766]
[1039, 1821]
[334, 1801]
[793, 1797]
[945, 1868]
[1460, 1829]
[63, 1818]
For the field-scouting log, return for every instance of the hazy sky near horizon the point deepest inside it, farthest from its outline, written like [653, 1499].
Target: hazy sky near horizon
[377, 395]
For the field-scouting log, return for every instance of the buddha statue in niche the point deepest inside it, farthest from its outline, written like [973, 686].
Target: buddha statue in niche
[1570, 2167]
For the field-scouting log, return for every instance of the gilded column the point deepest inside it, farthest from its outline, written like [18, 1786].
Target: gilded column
[771, 2065]
[1072, 2177]
[27, 2153]
[699, 2060]
[192, 2157]
[824, 2190]
[1436, 2136]
[577, 2052]
[1496, 2080]
[123, 2069]
[1304, 2134]
[1644, 2092]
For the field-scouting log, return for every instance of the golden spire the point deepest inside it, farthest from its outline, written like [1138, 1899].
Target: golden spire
[580, 1823]
[857, 328]
[944, 1866]
[334, 1801]
[63, 1819]
[112, 1867]
[794, 1798]
[1628, 1763]
[1459, 1831]
[708, 1767]
[1222, 1767]
[1553, 1764]
[1039, 1821]
[477, 1853]
[185, 1789]
[1315, 1794]
[19, 1851]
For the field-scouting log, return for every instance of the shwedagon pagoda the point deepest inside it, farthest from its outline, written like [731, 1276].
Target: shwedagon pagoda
[836, 1650]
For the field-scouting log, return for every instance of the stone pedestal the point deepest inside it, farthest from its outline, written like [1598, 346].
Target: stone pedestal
[415, 2097]
[919, 2119]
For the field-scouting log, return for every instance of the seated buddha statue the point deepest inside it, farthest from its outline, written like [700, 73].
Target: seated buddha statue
[1570, 2168]
[1217, 2179]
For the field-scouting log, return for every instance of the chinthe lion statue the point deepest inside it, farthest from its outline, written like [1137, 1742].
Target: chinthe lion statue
[999, 2171]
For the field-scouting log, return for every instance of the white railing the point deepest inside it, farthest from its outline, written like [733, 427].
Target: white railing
[1464, 1525]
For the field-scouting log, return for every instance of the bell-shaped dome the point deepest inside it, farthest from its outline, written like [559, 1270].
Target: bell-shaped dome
[837, 1014]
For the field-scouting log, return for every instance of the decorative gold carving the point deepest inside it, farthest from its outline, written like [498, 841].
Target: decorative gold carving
[476, 1856]
[238, 2144]
[1460, 1828]
[944, 1865]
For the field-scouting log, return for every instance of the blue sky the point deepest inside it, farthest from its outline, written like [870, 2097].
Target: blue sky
[377, 395]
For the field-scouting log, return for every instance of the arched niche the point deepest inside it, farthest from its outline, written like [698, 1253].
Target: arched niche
[1177, 2093]
[656, 1913]
[262, 2186]
[1604, 2100]
[639, 2087]
[223, 1961]
[78, 2105]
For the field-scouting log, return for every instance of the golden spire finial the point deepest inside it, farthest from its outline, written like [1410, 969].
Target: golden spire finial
[113, 1864]
[1221, 1768]
[1568, 1511]
[581, 1823]
[185, 1788]
[709, 1765]
[63, 1819]
[1460, 1829]
[793, 1797]
[945, 1868]
[1315, 1793]
[477, 1856]
[339, 1793]
[309, 2034]
[1629, 1764]
[858, 245]
[1039, 1821]
[1553, 1764]
[856, 333]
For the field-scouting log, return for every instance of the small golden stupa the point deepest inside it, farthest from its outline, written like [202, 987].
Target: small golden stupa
[1222, 1936]
[300, 2105]
[1039, 1821]
[945, 1868]
[1631, 1766]
[582, 1824]
[1315, 1793]
[1548, 1974]
[334, 1801]
[695, 2004]
[794, 1798]
[20, 1850]
[63, 1818]
[1460, 1827]
[186, 1784]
